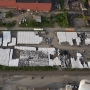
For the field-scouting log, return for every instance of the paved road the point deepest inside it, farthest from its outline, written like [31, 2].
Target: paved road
[18, 28]
[70, 73]
[50, 29]
[70, 12]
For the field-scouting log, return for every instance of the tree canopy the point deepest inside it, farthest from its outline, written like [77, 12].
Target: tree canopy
[9, 14]
[62, 20]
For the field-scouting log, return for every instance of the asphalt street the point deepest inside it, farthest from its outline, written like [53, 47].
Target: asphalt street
[81, 29]
[47, 73]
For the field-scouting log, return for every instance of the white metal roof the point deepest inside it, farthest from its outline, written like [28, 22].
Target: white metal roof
[27, 37]
[13, 62]
[0, 41]
[85, 65]
[61, 36]
[78, 40]
[6, 37]
[13, 42]
[89, 64]
[25, 48]
[47, 50]
[76, 63]
[87, 41]
[68, 37]
[55, 61]
[4, 56]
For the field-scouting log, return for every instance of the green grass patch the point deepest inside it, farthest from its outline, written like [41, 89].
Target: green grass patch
[27, 68]
[45, 22]
[9, 24]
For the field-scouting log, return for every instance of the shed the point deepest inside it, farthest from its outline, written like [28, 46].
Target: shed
[37, 18]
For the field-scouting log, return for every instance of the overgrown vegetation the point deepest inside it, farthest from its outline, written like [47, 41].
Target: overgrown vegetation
[62, 4]
[89, 9]
[45, 22]
[62, 20]
[27, 68]
[9, 24]
[9, 14]
[84, 17]
[84, 1]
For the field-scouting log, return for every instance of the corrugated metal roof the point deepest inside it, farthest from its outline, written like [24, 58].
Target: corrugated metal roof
[28, 37]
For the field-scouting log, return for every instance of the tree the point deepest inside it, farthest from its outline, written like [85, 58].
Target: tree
[88, 9]
[9, 14]
[84, 1]
[62, 20]
[62, 4]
